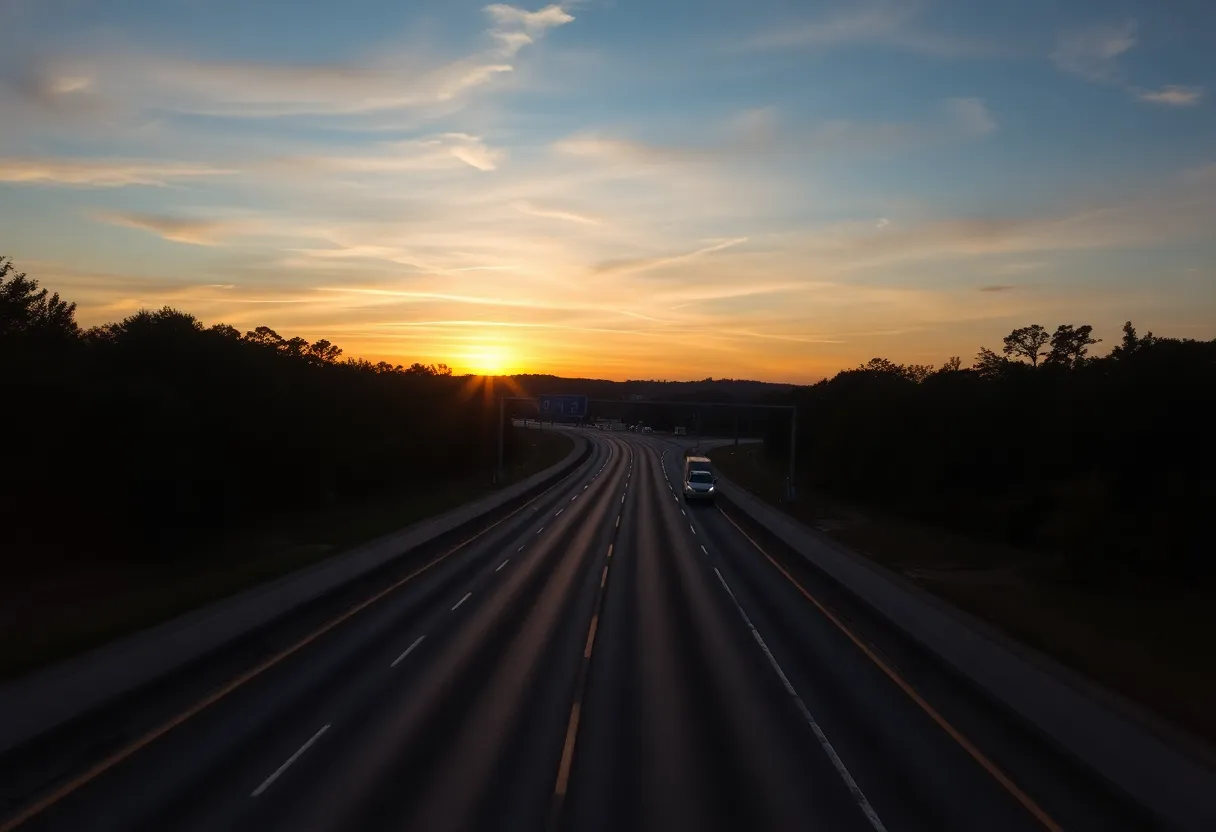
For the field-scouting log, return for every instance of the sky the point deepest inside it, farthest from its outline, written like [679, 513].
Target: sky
[616, 188]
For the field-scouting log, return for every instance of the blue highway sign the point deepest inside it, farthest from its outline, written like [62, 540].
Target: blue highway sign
[554, 406]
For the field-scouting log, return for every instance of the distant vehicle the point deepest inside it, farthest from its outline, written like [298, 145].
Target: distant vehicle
[647, 430]
[699, 479]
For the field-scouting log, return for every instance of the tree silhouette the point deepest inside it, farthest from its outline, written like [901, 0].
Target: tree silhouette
[1131, 343]
[266, 337]
[1027, 342]
[990, 365]
[1069, 345]
[27, 310]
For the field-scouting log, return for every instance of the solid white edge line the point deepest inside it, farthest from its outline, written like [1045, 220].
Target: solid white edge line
[461, 601]
[862, 801]
[501, 565]
[408, 650]
[269, 780]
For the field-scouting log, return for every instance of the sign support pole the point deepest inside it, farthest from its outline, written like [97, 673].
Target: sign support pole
[502, 474]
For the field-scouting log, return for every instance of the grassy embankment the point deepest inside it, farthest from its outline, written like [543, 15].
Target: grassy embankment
[1149, 642]
[54, 616]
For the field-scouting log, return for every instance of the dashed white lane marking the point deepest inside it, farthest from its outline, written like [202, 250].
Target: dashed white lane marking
[575, 497]
[408, 650]
[837, 763]
[541, 529]
[691, 529]
[269, 780]
[508, 560]
[685, 513]
[560, 510]
[610, 550]
[622, 498]
[520, 549]
[618, 521]
[461, 601]
[703, 549]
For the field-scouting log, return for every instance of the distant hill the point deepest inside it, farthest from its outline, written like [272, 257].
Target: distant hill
[709, 389]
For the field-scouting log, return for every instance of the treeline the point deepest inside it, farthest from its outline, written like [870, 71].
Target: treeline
[708, 389]
[1108, 461]
[154, 434]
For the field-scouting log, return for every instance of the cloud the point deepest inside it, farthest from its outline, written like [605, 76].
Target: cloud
[886, 25]
[235, 89]
[969, 115]
[179, 230]
[996, 288]
[756, 132]
[444, 152]
[596, 146]
[648, 263]
[1173, 96]
[99, 173]
[1090, 52]
[531, 22]
[525, 207]
[883, 222]
[1019, 268]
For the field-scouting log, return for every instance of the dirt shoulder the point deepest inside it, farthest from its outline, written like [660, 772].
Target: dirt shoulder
[1150, 643]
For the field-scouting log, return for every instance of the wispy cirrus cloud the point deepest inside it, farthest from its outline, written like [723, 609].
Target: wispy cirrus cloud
[759, 131]
[649, 263]
[887, 25]
[197, 232]
[1171, 95]
[100, 173]
[1091, 52]
[134, 79]
[553, 213]
[443, 152]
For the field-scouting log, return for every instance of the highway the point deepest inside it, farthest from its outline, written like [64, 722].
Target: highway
[605, 658]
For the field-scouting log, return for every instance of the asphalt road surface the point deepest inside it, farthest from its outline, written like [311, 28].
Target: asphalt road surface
[605, 658]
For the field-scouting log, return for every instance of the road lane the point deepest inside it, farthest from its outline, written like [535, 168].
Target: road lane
[202, 772]
[717, 696]
[915, 773]
[684, 725]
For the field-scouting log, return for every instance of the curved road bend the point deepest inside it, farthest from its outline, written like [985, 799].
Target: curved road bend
[608, 658]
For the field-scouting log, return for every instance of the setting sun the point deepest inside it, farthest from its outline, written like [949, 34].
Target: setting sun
[487, 360]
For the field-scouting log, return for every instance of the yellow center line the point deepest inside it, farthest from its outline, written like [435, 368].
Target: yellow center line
[1026, 800]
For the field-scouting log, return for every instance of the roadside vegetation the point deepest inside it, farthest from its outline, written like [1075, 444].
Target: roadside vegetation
[1065, 498]
[154, 463]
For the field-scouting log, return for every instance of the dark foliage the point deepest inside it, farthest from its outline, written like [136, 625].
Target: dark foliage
[154, 434]
[1110, 462]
